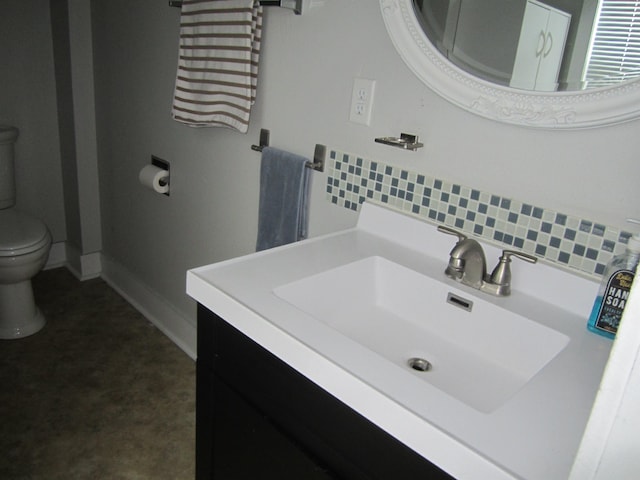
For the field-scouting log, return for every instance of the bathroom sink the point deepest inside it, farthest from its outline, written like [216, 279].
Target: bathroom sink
[469, 348]
[502, 391]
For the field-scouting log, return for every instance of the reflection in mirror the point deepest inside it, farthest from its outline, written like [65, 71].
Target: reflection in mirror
[540, 46]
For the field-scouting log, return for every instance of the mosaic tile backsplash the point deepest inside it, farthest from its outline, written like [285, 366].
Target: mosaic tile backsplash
[565, 240]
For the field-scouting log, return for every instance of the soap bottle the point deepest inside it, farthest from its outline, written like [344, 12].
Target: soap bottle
[614, 290]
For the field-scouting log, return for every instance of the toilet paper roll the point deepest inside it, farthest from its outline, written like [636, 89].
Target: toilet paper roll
[155, 178]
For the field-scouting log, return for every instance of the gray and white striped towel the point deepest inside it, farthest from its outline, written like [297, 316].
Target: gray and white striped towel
[218, 64]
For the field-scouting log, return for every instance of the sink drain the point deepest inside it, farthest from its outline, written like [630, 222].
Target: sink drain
[419, 364]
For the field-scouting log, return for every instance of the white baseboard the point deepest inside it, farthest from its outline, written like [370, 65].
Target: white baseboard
[179, 328]
[57, 256]
[91, 265]
[83, 267]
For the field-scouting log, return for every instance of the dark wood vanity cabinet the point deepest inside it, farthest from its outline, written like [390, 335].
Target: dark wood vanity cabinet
[234, 371]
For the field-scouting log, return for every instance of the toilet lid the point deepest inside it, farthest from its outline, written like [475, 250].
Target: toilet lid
[20, 233]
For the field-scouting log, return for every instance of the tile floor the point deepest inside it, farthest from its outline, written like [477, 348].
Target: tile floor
[99, 393]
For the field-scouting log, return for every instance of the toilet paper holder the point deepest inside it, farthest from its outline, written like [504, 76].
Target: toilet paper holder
[163, 164]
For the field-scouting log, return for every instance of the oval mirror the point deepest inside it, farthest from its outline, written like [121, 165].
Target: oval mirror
[522, 61]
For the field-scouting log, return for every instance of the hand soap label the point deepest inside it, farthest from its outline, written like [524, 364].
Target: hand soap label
[613, 301]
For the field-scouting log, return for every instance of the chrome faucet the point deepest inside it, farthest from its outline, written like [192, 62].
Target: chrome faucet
[467, 265]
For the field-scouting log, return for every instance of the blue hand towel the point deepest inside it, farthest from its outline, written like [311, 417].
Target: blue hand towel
[284, 198]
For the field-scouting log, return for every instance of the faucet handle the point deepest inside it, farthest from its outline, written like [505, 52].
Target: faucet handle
[501, 275]
[507, 254]
[450, 231]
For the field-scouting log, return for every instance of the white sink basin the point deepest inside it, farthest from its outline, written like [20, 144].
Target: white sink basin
[482, 355]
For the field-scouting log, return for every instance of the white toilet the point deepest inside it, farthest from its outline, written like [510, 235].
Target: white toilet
[24, 247]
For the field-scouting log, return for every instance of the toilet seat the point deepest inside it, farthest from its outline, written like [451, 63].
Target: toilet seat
[21, 234]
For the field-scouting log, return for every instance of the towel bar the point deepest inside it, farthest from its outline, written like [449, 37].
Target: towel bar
[295, 5]
[319, 153]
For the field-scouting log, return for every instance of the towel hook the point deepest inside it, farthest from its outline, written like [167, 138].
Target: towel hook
[319, 153]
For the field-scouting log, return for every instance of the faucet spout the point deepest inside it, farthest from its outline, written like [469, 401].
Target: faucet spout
[467, 263]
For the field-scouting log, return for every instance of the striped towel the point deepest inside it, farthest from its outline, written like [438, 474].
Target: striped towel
[218, 64]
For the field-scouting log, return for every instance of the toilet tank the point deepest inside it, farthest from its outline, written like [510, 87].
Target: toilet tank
[8, 136]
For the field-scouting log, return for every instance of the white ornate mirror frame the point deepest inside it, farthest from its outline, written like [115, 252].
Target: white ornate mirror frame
[568, 110]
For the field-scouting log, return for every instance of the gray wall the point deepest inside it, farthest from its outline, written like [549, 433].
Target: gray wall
[307, 71]
[28, 101]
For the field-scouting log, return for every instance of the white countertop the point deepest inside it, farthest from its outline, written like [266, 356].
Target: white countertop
[534, 435]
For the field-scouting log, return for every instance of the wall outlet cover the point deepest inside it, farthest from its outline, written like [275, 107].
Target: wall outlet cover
[362, 101]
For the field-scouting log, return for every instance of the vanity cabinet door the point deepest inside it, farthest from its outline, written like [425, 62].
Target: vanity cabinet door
[205, 400]
[339, 438]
